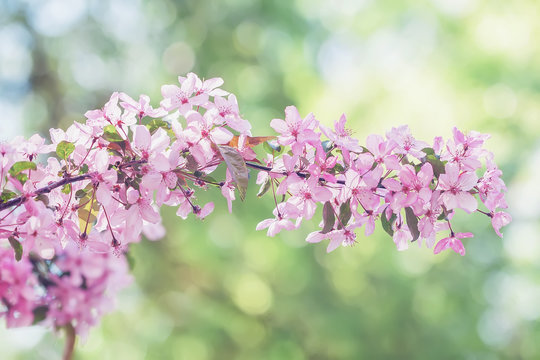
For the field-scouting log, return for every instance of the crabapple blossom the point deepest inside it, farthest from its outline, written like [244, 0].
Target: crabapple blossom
[66, 224]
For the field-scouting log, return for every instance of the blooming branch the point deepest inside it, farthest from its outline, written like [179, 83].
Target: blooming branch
[66, 225]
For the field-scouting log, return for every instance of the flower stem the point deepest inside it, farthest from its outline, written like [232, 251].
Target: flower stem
[69, 348]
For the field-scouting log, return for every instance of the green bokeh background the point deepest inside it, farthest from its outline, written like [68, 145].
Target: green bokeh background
[217, 289]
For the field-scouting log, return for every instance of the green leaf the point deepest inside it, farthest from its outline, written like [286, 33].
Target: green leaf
[428, 151]
[7, 195]
[344, 214]
[412, 223]
[80, 193]
[88, 210]
[43, 198]
[237, 166]
[83, 169]
[40, 313]
[437, 164]
[17, 247]
[66, 189]
[329, 218]
[110, 134]
[21, 166]
[387, 224]
[64, 149]
[156, 124]
[265, 187]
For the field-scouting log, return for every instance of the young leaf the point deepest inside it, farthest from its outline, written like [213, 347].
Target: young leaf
[43, 198]
[156, 124]
[84, 169]
[40, 313]
[344, 214]
[64, 149]
[437, 164]
[328, 217]
[88, 209]
[412, 223]
[21, 166]
[387, 223]
[110, 134]
[17, 247]
[237, 166]
[265, 187]
[66, 189]
[7, 195]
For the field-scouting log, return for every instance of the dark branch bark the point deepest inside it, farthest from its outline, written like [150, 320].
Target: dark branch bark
[54, 185]
[300, 174]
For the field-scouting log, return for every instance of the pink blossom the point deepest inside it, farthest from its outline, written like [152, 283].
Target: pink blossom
[500, 219]
[406, 144]
[184, 97]
[456, 186]
[294, 129]
[453, 242]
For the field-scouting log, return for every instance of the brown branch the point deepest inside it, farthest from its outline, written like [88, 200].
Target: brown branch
[300, 174]
[69, 348]
[54, 185]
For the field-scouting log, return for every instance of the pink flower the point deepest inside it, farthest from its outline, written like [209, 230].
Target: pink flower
[184, 97]
[456, 186]
[344, 237]
[382, 151]
[306, 194]
[142, 107]
[341, 136]
[405, 143]
[282, 213]
[227, 190]
[452, 242]
[401, 237]
[500, 219]
[294, 129]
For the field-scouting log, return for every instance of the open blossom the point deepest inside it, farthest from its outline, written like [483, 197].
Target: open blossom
[340, 136]
[456, 185]
[283, 212]
[405, 143]
[142, 107]
[294, 129]
[183, 97]
[453, 242]
[500, 219]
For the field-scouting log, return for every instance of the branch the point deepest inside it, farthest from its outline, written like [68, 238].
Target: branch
[70, 342]
[67, 180]
[300, 174]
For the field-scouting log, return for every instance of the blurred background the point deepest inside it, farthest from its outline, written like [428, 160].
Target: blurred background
[218, 289]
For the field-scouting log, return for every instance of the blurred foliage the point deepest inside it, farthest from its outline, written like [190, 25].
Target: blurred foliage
[218, 289]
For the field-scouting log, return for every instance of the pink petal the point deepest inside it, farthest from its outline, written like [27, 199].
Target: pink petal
[467, 201]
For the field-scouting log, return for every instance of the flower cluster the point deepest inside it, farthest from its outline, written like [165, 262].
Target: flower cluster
[66, 224]
[413, 187]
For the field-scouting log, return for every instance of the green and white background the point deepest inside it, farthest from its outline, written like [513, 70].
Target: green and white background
[218, 289]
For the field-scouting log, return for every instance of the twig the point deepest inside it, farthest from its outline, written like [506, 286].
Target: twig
[70, 342]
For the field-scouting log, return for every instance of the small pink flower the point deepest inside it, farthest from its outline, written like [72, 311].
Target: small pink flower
[452, 242]
[500, 219]
[456, 186]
